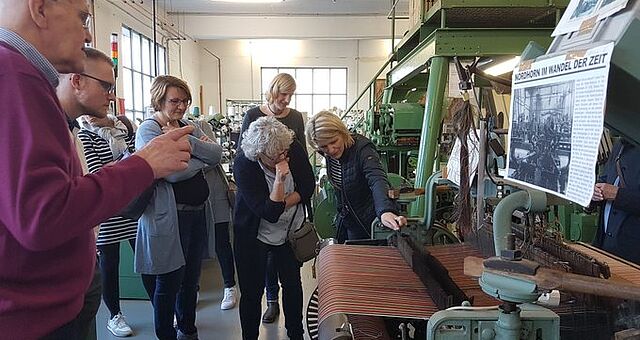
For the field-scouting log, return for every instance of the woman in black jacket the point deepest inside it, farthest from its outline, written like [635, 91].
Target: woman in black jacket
[273, 177]
[354, 169]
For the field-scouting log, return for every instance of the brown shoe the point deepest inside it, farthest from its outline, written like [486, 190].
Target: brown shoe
[271, 314]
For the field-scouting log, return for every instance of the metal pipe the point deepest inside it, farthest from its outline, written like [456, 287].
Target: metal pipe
[366, 88]
[530, 200]
[429, 194]
[219, 76]
[432, 119]
[482, 162]
[155, 44]
[393, 28]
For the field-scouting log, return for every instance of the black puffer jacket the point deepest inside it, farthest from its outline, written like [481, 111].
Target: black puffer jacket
[364, 185]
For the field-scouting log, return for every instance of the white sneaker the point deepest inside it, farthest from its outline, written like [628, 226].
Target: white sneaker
[118, 326]
[229, 300]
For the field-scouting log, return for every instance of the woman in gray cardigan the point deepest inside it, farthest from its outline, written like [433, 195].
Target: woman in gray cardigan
[172, 231]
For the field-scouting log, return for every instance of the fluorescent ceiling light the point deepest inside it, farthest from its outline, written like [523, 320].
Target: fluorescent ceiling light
[249, 1]
[503, 67]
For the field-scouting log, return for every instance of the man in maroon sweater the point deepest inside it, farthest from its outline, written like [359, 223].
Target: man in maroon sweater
[47, 207]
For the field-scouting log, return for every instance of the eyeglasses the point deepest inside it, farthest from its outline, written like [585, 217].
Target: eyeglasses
[279, 157]
[176, 101]
[106, 86]
[86, 18]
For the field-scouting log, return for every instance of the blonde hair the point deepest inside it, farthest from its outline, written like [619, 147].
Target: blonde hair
[324, 127]
[281, 83]
[160, 86]
[267, 136]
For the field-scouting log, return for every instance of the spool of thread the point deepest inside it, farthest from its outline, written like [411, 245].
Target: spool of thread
[196, 111]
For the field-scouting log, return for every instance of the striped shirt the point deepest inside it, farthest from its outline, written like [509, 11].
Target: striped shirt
[335, 172]
[98, 154]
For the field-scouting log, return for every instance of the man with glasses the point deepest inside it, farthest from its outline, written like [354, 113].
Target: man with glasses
[90, 93]
[47, 206]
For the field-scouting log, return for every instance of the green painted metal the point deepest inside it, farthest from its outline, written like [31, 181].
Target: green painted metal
[323, 215]
[448, 4]
[537, 323]
[531, 200]
[467, 42]
[432, 119]
[130, 282]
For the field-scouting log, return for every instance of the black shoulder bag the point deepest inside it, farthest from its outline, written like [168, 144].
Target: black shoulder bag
[136, 207]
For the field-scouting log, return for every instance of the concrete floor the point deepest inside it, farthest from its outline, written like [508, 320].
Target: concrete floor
[212, 323]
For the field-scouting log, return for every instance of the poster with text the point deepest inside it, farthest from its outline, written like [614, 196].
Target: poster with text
[581, 11]
[557, 116]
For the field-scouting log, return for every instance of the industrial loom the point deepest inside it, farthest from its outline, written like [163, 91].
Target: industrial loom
[513, 277]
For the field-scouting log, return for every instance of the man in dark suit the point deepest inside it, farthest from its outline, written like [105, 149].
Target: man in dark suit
[618, 193]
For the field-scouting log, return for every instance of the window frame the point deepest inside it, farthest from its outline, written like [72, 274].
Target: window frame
[136, 94]
[269, 70]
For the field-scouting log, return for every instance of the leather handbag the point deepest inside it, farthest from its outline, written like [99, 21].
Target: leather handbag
[303, 240]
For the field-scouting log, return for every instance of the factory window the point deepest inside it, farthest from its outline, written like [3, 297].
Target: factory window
[317, 88]
[138, 70]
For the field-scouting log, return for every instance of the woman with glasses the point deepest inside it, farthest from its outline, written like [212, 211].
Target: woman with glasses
[355, 171]
[274, 177]
[278, 95]
[172, 230]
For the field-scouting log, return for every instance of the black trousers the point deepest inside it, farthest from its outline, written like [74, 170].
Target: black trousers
[225, 254]
[109, 260]
[251, 264]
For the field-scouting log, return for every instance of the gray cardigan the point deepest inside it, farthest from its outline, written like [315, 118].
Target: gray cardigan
[158, 248]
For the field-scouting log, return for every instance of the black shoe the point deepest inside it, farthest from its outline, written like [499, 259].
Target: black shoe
[271, 314]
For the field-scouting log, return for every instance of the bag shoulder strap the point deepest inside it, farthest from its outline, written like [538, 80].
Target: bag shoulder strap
[292, 218]
[126, 123]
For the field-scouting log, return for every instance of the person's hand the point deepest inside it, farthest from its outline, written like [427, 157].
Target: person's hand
[100, 122]
[169, 152]
[608, 191]
[597, 193]
[168, 127]
[282, 170]
[204, 138]
[393, 221]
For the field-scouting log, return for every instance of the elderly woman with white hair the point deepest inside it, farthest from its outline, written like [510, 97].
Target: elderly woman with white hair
[274, 177]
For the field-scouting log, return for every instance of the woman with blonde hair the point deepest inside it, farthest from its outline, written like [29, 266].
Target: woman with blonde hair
[355, 171]
[172, 231]
[274, 178]
[278, 96]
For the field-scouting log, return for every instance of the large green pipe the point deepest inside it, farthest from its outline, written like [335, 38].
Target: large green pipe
[436, 88]
[530, 200]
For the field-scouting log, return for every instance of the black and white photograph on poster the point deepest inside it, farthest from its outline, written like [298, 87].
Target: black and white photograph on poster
[557, 107]
[580, 10]
[584, 8]
[540, 149]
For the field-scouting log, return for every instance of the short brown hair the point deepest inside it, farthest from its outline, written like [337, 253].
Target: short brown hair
[97, 55]
[281, 83]
[160, 86]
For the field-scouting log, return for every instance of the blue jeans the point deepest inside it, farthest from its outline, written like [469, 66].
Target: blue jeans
[176, 291]
[251, 264]
[225, 254]
[271, 279]
[109, 260]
